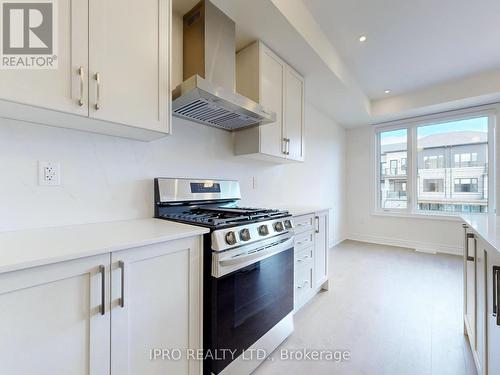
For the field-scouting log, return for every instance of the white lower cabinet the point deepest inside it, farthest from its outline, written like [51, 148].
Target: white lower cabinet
[104, 314]
[304, 276]
[493, 312]
[481, 281]
[321, 248]
[155, 304]
[311, 256]
[51, 319]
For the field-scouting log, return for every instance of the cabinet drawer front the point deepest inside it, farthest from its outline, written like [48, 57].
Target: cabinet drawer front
[304, 240]
[304, 256]
[304, 223]
[303, 284]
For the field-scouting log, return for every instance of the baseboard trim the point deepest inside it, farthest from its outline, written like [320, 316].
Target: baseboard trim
[333, 244]
[427, 247]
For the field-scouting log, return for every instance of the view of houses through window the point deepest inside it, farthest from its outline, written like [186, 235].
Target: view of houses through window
[451, 166]
[393, 178]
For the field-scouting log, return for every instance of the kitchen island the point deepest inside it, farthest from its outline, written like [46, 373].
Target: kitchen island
[482, 290]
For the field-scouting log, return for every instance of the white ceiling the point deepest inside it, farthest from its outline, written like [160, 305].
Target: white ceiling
[434, 55]
[412, 44]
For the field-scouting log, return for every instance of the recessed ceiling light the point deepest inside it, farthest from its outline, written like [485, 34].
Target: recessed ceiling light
[363, 38]
[387, 91]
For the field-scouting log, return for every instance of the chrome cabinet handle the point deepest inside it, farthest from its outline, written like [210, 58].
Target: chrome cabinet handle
[498, 296]
[121, 265]
[283, 149]
[317, 222]
[303, 258]
[288, 146]
[303, 284]
[496, 293]
[81, 73]
[102, 271]
[467, 237]
[97, 78]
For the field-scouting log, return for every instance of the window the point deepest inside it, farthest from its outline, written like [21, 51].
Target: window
[433, 185]
[392, 181]
[433, 161]
[442, 164]
[466, 185]
[466, 160]
[394, 167]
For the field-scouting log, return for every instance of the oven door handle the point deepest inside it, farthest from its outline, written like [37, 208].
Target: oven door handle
[258, 255]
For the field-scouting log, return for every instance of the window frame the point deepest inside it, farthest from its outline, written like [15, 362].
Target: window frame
[411, 210]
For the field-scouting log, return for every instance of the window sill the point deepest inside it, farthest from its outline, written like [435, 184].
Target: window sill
[421, 216]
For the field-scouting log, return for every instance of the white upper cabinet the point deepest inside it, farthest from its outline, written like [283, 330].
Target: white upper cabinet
[66, 87]
[271, 97]
[113, 73]
[129, 62]
[265, 78]
[293, 117]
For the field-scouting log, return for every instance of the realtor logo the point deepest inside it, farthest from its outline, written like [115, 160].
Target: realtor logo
[29, 39]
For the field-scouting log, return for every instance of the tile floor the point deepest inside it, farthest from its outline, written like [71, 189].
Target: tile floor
[397, 312]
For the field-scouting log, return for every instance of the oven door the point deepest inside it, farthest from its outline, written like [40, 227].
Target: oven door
[251, 299]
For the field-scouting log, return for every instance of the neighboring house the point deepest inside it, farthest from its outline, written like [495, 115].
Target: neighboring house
[452, 173]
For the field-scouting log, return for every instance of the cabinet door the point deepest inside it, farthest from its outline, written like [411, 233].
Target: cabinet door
[470, 287]
[480, 336]
[61, 88]
[130, 62]
[271, 97]
[51, 321]
[321, 248]
[493, 311]
[293, 117]
[155, 304]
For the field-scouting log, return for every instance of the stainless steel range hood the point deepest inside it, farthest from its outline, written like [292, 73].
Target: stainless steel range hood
[208, 94]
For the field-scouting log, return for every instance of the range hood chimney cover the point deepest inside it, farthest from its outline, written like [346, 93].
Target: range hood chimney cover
[208, 94]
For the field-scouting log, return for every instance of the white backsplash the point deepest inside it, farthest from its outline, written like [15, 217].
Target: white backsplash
[106, 178]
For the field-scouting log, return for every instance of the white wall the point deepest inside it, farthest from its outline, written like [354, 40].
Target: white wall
[425, 234]
[107, 178]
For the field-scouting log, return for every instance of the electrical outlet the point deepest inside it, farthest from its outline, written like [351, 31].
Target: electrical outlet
[49, 173]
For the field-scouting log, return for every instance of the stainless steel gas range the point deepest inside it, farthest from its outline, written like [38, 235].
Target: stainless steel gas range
[248, 270]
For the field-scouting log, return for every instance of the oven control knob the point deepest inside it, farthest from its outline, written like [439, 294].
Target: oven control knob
[278, 226]
[288, 224]
[245, 234]
[230, 238]
[263, 230]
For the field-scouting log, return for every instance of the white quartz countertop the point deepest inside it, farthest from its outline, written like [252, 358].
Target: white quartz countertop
[36, 247]
[485, 226]
[298, 211]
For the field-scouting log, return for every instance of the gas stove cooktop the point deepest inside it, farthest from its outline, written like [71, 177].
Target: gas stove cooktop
[214, 204]
[221, 216]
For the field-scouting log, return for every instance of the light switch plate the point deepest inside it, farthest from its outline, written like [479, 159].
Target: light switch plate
[49, 173]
